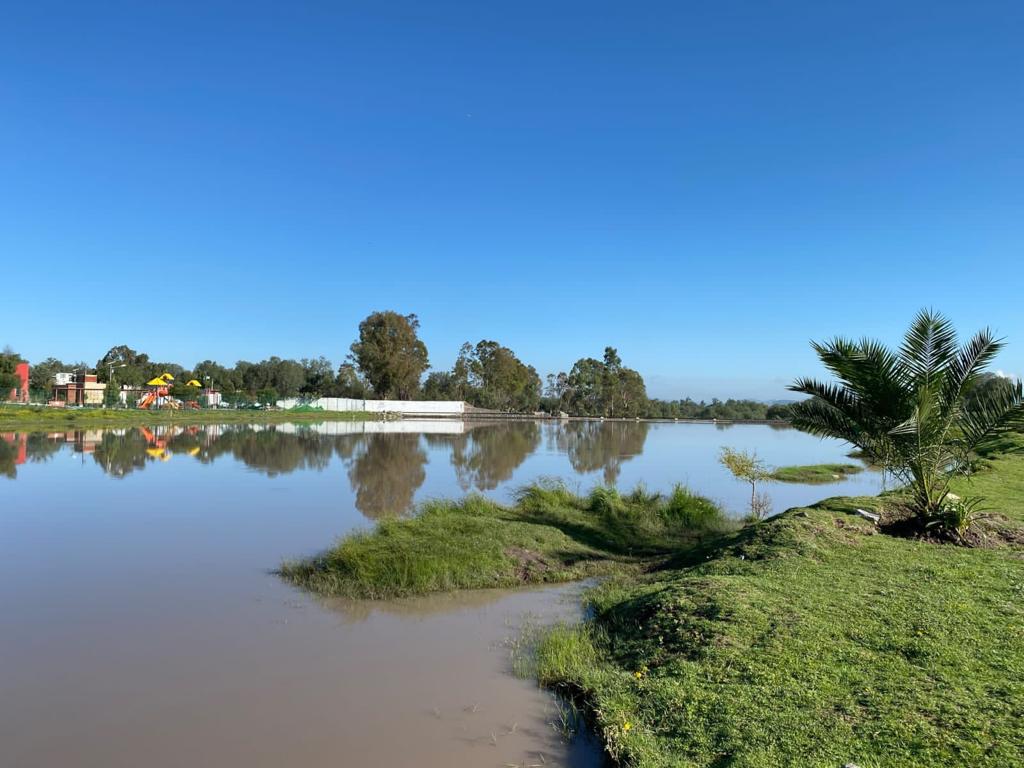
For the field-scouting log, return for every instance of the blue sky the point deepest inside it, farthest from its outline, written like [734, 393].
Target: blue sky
[705, 186]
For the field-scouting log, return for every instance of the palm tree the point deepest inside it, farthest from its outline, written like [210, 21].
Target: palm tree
[919, 412]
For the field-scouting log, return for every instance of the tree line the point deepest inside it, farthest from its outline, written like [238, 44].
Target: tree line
[388, 360]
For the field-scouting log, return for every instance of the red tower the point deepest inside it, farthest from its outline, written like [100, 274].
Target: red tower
[20, 393]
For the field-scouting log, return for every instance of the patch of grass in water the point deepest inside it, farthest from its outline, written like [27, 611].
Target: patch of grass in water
[548, 534]
[816, 473]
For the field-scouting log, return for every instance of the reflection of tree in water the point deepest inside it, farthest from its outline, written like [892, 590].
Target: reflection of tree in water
[272, 452]
[385, 472]
[41, 447]
[121, 454]
[17, 447]
[488, 455]
[605, 445]
[268, 451]
[8, 457]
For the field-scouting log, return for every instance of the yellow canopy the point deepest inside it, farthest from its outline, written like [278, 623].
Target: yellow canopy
[158, 382]
[168, 377]
[193, 383]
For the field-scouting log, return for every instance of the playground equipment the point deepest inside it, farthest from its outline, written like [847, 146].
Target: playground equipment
[160, 388]
[160, 396]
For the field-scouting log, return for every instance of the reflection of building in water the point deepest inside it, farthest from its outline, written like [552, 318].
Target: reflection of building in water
[600, 445]
[81, 440]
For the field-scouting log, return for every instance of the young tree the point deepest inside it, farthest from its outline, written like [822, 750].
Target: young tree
[746, 466]
[921, 411]
[110, 394]
[390, 355]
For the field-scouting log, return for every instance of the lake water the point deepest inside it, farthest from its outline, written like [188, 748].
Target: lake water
[141, 623]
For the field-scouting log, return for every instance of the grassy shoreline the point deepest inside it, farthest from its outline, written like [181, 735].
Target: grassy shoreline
[22, 418]
[810, 639]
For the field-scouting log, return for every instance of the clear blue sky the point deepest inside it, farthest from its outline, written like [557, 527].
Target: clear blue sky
[705, 186]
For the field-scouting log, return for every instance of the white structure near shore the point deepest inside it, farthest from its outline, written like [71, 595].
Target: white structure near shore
[424, 408]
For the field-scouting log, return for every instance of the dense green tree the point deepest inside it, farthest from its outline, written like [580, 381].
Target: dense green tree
[132, 367]
[499, 380]
[601, 388]
[390, 354]
[920, 411]
[211, 374]
[349, 383]
[318, 375]
[41, 375]
[8, 378]
[441, 385]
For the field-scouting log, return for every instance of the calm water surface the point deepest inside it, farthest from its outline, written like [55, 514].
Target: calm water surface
[140, 623]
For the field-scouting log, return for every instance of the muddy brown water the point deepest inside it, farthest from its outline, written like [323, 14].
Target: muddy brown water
[141, 623]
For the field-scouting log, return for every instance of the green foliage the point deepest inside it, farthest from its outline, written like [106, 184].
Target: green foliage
[921, 412]
[958, 515]
[390, 355]
[549, 534]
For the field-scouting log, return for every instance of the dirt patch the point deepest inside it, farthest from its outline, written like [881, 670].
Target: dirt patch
[987, 533]
[530, 566]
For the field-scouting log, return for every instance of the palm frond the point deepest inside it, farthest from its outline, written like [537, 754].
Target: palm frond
[929, 346]
[825, 420]
[965, 368]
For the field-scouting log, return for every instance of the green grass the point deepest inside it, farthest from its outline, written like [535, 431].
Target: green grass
[549, 534]
[816, 473]
[24, 418]
[812, 640]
